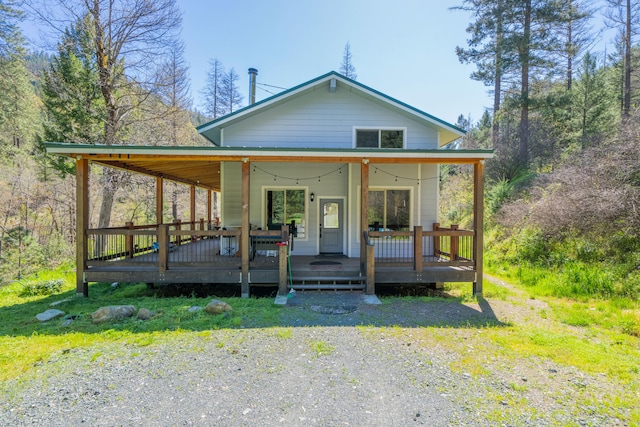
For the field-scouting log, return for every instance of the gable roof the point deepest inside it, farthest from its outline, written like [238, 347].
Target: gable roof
[212, 129]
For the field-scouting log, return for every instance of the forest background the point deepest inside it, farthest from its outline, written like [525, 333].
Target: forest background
[562, 193]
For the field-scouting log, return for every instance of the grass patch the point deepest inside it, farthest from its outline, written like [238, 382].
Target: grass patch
[25, 341]
[321, 348]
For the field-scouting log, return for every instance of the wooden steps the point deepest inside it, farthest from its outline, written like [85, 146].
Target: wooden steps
[300, 282]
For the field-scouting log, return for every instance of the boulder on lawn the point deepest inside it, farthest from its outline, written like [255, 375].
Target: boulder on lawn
[50, 314]
[112, 312]
[217, 307]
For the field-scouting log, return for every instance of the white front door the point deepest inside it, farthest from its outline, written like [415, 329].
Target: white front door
[331, 226]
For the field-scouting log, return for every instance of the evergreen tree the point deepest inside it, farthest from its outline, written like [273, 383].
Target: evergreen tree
[71, 92]
[10, 36]
[593, 104]
[513, 40]
[18, 105]
[625, 15]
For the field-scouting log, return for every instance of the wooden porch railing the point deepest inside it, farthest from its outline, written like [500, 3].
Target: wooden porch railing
[117, 243]
[443, 246]
[177, 245]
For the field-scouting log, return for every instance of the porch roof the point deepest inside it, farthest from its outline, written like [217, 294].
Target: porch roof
[200, 166]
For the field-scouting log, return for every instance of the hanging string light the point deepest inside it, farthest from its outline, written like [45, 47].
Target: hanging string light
[298, 179]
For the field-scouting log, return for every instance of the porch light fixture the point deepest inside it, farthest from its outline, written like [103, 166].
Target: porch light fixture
[312, 197]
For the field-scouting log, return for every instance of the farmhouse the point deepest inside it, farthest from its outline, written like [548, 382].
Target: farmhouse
[330, 184]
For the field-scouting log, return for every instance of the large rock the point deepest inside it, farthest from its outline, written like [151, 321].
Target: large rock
[112, 312]
[217, 307]
[49, 314]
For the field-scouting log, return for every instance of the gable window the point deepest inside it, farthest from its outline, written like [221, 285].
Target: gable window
[389, 209]
[379, 138]
[286, 206]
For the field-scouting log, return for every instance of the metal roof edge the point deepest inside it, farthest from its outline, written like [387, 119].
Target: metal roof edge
[69, 148]
[345, 79]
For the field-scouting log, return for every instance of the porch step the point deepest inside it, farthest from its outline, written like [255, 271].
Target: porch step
[328, 286]
[328, 282]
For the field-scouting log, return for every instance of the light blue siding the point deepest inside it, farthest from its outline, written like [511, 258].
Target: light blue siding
[323, 179]
[321, 119]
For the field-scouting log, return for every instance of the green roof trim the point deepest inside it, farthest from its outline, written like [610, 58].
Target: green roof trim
[322, 77]
[71, 147]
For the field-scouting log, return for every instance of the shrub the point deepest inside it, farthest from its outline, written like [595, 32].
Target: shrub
[584, 280]
[43, 287]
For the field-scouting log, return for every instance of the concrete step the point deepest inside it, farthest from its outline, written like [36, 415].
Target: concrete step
[328, 286]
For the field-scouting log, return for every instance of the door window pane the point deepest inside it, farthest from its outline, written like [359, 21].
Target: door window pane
[331, 215]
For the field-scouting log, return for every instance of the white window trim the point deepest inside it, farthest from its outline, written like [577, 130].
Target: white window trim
[379, 128]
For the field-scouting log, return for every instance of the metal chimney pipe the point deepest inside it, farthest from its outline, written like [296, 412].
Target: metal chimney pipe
[253, 74]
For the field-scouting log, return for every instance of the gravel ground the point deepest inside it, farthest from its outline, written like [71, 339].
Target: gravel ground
[319, 369]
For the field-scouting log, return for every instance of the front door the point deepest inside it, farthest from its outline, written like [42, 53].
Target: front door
[331, 226]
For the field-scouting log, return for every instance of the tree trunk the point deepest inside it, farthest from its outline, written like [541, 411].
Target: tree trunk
[569, 55]
[523, 133]
[106, 206]
[626, 110]
[495, 134]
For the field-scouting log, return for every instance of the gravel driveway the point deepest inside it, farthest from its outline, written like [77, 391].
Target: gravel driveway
[319, 369]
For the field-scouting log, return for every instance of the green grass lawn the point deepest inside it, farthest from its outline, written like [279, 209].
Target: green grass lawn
[598, 337]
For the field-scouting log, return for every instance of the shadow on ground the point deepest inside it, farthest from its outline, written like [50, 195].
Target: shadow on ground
[421, 308]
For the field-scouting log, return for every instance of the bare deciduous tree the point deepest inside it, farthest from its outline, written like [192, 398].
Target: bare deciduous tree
[347, 68]
[130, 41]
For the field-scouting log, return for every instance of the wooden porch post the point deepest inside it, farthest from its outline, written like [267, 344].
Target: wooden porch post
[159, 201]
[129, 241]
[364, 210]
[163, 247]
[417, 249]
[283, 254]
[82, 223]
[370, 254]
[244, 237]
[192, 206]
[478, 223]
[209, 216]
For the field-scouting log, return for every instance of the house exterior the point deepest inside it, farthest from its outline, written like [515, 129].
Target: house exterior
[309, 159]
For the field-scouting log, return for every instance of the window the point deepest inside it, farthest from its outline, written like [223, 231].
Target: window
[379, 138]
[284, 206]
[389, 210]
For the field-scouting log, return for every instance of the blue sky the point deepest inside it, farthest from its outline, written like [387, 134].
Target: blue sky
[403, 48]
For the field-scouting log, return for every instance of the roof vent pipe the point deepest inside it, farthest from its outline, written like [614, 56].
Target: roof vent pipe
[253, 74]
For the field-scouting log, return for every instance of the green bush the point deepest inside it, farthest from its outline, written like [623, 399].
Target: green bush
[629, 286]
[43, 287]
[581, 279]
[498, 194]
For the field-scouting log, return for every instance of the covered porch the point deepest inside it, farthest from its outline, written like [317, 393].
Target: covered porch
[200, 251]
